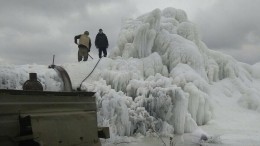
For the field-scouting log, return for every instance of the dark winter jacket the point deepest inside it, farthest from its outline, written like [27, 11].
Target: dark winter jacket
[101, 40]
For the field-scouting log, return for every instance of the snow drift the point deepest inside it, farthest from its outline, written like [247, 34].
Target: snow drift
[157, 78]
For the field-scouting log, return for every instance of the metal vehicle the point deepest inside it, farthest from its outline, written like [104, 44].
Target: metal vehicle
[43, 118]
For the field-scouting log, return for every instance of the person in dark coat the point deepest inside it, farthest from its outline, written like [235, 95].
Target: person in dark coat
[84, 45]
[101, 43]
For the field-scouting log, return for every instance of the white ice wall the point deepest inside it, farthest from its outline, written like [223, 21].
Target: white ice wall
[190, 65]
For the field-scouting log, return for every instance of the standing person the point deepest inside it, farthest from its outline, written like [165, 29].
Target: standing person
[84, 45]
[101, 43]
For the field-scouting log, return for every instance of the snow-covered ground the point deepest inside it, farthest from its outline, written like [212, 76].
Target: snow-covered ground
[161, 79]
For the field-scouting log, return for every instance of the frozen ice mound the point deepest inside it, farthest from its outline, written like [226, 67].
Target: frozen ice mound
[157, 78]
[174, 70]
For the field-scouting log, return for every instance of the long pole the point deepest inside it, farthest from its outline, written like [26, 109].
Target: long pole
[53, 59]
[90, 56]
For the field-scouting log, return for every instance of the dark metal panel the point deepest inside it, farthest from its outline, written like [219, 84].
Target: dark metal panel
[67, 129]
[36, 108]
[46, 98]
[54, 107]
[21, 92]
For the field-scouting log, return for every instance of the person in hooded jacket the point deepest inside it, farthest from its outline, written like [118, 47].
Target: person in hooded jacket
[101, 43]
[84, 45]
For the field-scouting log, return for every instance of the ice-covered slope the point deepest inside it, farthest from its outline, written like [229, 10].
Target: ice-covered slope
[160, 77]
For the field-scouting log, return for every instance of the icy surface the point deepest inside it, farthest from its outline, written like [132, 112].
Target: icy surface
[13, 77]
[161, 79]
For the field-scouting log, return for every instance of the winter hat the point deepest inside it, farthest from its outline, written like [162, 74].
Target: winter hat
[86, 32]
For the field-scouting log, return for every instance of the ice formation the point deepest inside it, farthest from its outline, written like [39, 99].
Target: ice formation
[13, 77]
[157, 78]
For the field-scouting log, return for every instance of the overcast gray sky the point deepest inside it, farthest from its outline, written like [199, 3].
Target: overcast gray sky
[31, 31]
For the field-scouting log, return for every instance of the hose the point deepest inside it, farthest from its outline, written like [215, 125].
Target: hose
[79, 88]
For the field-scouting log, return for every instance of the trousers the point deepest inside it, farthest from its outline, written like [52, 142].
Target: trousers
[100, 50]
[83, 53]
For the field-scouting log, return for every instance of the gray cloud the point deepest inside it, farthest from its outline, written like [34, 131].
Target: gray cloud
[247, 53]
[32, 31]
[234, 25]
